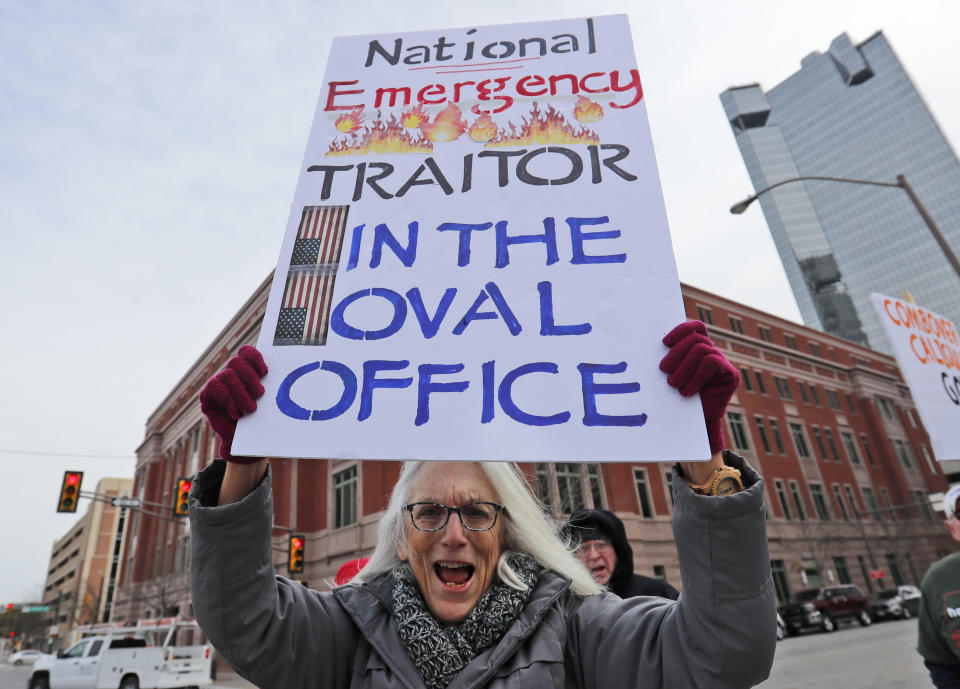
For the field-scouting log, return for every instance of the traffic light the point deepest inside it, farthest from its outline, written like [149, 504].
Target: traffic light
[183, 493]
[295, 562]
[70, 491]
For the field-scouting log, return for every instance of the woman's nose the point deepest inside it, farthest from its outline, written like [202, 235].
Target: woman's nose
[453, 532]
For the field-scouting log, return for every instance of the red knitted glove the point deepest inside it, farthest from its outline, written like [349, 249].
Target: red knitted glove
[696, 365]
[232, 393]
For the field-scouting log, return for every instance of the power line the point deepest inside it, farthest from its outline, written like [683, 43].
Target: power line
[65, 454]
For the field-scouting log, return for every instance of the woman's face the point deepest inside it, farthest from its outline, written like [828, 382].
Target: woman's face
[453, 566]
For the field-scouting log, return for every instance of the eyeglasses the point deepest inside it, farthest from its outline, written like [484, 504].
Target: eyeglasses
[602, 547]
[475, 516]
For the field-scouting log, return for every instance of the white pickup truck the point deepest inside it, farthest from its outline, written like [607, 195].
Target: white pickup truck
[144, 656]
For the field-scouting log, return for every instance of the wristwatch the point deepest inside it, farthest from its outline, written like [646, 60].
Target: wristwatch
[723, 481]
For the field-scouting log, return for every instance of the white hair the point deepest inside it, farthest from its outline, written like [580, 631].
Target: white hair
[528, 530]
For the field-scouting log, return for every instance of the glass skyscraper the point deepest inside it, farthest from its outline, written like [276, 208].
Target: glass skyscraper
[852, 112]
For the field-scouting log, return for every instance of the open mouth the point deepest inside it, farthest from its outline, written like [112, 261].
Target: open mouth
[453, 575]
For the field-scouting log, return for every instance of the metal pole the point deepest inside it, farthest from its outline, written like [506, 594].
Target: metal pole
[866, 539]
[932, 226]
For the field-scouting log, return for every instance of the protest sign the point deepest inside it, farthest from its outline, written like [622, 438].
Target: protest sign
[477, 263]
[928, 350]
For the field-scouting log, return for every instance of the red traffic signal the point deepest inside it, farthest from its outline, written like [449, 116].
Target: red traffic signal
[295, 560]
[70, 491]
[182, 496]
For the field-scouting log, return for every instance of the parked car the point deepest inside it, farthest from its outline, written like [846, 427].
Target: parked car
[145, 656]
[901, 602]
[910, 595]
[825, 608]
[27, 655]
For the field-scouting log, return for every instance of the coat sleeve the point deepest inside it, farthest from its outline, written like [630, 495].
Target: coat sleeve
[720, 634]
[275, 632]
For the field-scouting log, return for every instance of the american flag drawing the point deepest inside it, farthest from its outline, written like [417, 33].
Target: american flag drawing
[305, 310]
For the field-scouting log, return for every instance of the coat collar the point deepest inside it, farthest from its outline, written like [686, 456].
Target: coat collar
[370, 605]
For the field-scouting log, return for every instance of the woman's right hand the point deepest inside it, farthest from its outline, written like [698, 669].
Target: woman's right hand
[233, 393]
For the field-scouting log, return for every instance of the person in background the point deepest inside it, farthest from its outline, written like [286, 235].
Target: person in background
[606, 552]
[939, 616]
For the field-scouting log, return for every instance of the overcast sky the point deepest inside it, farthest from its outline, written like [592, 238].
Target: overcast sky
[148, 156]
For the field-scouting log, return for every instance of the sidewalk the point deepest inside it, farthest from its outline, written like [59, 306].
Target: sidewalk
[228, 680]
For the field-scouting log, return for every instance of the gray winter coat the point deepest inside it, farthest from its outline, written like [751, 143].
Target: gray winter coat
[277, 633]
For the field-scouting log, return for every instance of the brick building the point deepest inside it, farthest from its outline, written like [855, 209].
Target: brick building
[84, 565]
[830, 425]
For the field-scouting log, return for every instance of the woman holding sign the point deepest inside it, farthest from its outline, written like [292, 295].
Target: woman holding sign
[469, 584]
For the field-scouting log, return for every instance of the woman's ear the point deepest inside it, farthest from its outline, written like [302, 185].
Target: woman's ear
[401, 553]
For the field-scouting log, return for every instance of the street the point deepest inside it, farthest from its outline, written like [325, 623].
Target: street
[881, 656]
[15, 677]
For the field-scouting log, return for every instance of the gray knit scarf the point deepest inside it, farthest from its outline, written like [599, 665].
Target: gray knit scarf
[440, 652]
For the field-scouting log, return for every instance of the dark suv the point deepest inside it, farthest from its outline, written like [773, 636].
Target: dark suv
[825, 607]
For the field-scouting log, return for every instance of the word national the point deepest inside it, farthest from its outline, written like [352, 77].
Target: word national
[466, 50]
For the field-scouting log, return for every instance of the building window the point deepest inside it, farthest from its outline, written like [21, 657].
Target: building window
[791, 341]
[850, 404]
[870, 501]
[776, 436]
[853, 503]
[345, 497]
[780, 584]
[840, 565]
[819, 501]
[736, 325]
[839, 497]
[796, 430]
[930, 463]
[814, 395]
[705, 315]
[643, 493]
[570, 488]
[797, 500]
[803, 392]
[596, 486]
[760, 386]
[920, 498]
[912, 417]
[833, 448]
[815, 349]
[782, 495]
[866, 449]
[833, 399]
[851, 446]
[783, 388]
[738, 430]
[903, 453]
[819, 438]
[762, 430]
[660, 572]
[668, 482]
[893, 565]
[565, 487]
[765, 333]
[745, 377]
[887, 503]
[886, 408]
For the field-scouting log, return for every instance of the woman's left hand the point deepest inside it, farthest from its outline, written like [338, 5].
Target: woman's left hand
[696, 365]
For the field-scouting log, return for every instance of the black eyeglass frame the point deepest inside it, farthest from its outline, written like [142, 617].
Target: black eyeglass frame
[497, 509]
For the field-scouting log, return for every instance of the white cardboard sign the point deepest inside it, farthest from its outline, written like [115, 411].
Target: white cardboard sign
[928, 350]
[477, 263]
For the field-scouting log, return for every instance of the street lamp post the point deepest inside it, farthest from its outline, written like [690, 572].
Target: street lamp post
[901, 183]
